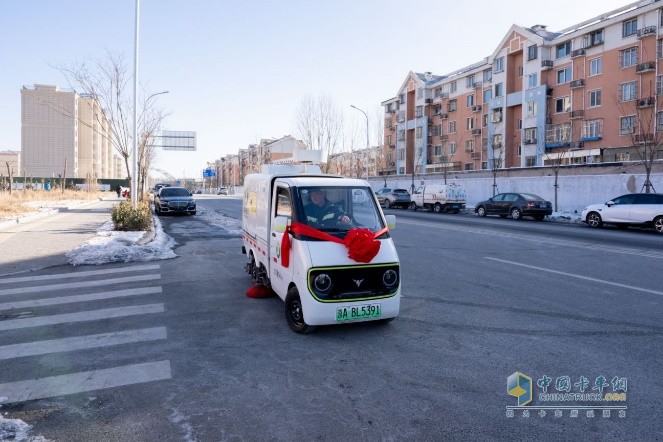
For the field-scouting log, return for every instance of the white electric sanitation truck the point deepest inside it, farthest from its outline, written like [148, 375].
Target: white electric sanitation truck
[323, 245]
[439, 198]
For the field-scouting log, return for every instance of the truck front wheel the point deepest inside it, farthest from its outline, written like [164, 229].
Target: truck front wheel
[294, 314]
[413, 206]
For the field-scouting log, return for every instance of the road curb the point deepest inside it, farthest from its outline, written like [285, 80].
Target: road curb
[149, 235]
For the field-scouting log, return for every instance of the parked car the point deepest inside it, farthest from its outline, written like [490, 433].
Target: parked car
[222, 191]
[388, 197]
[174, 200]
[636, 209]
[159, 186]
[516, 205]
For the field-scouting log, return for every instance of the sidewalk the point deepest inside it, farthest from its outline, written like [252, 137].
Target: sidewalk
[43, 242]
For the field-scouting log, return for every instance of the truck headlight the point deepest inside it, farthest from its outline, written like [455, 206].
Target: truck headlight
[322, 283]
[390, 278]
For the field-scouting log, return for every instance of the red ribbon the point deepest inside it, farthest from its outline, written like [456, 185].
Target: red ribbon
[361, 243]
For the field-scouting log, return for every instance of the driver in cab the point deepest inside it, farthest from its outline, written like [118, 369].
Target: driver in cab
[321, 212]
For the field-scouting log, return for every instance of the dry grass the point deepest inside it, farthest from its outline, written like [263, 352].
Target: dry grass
[24, 201]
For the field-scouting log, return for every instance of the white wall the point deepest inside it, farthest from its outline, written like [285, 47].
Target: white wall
[574, 193]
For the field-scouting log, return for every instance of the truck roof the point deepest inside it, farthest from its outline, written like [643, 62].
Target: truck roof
[322, 180]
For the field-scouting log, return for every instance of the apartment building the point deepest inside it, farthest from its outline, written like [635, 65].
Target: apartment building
[10, 160]
[61, 127]
[588, 93]
[358, 163]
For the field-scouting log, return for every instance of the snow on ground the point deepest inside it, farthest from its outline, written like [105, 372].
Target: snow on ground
[16, 430]
[231, 225]
[117, 246]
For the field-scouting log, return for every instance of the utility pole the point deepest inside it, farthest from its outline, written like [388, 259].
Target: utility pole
[367, 143]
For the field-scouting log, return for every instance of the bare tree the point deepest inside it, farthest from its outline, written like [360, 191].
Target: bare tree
[646, 132]
[109, 83]
[320, 124]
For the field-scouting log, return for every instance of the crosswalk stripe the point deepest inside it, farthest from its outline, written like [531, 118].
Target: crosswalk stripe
[85, 381]
[81, 343]
[80, 298]
[92, 315]
[86, 273]
[76, 285]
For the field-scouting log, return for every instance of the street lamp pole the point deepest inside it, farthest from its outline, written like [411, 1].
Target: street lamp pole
[355, 107]
[134, 158]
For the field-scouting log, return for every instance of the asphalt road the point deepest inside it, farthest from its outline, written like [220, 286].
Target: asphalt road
[482, 299]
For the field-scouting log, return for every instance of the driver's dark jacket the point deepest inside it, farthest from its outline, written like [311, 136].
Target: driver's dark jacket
[316, 215]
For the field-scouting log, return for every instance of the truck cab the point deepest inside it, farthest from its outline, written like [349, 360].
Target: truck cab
[438, 198]
[323, 245]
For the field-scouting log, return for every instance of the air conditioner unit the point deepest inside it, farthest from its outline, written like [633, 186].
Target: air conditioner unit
[429, 101]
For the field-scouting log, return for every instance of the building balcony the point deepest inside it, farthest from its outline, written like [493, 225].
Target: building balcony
[554, 144]
[645, 102]
[647, 31]
[577, 83]
[546, 64]
[592, 138]
[644, 138]
[578, 53]
[647, 66]
[577, 114]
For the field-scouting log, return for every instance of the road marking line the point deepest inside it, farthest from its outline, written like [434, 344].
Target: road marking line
[92, 315]
[80, 298]
[558, 242]
[79, 274]
[77, 285]
[82, 382]
[586, 278]
[81, 342]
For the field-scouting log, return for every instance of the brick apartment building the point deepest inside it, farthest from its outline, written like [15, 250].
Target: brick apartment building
[588, 93]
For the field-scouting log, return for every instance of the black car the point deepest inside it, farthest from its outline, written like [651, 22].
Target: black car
[174, 200]
[515, 204]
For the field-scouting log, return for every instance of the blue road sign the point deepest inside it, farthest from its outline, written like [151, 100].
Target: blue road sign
[209, 172]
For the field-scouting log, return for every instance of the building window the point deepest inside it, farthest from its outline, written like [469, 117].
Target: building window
[563, 49]
[520, 124]
[532, 52]
[469, 166]
[452, 127]
[438, 151]
[484, 119]
[388, 140]
[498, 65]
[484, 165]
[520, 71]
[401, 98]
[530, 161]
[453, 87]
[659, 46]
[401, 135]
[470, 123]
[659, 121]
[470, 100]
[559, 133]
[629, 27]
[530, 135]
[592, 39]
[418, 131]
[532, 81]
[469, 81]
[628, 91]
[452, 149]
[469, 146]
[484, 143]
[595, 66]
[497, 141]
[499, 89]
[451, 105]
[627, 125]
[531, 108]
[487, 95]
[562, 105]
[420, 92]
[419, 111]
[497, 115]
[487, 75]
[659, 84]
[595, 98]
[628, 57]
[592, 129]
[564, 75]
[435, 130]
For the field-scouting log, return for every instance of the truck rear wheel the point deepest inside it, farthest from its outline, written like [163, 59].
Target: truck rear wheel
[437, 207]
[294, 314]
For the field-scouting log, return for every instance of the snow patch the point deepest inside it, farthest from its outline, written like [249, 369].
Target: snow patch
[231, 225]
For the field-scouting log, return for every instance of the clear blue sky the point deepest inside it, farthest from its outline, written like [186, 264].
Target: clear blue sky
[237, 71]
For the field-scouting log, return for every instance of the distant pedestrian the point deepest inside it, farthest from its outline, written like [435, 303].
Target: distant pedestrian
[118, 190]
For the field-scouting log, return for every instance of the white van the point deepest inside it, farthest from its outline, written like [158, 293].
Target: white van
[308, 258]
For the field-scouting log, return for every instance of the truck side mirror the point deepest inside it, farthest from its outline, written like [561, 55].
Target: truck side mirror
[391, 221]
[280, 224]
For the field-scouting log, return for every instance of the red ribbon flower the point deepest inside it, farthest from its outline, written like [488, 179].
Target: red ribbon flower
[361, 243]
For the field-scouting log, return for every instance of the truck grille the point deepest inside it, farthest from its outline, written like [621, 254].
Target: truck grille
[356, 282]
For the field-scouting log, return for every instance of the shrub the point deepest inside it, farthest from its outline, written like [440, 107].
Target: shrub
[125, 217]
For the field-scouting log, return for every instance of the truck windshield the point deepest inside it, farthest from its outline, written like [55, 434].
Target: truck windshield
[339, 209]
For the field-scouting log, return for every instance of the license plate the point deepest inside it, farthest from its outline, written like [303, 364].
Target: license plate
[358, 312]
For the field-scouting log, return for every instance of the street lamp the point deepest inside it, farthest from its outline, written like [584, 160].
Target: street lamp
[355, 107]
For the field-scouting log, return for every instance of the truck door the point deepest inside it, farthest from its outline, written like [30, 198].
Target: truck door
[279, 276]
